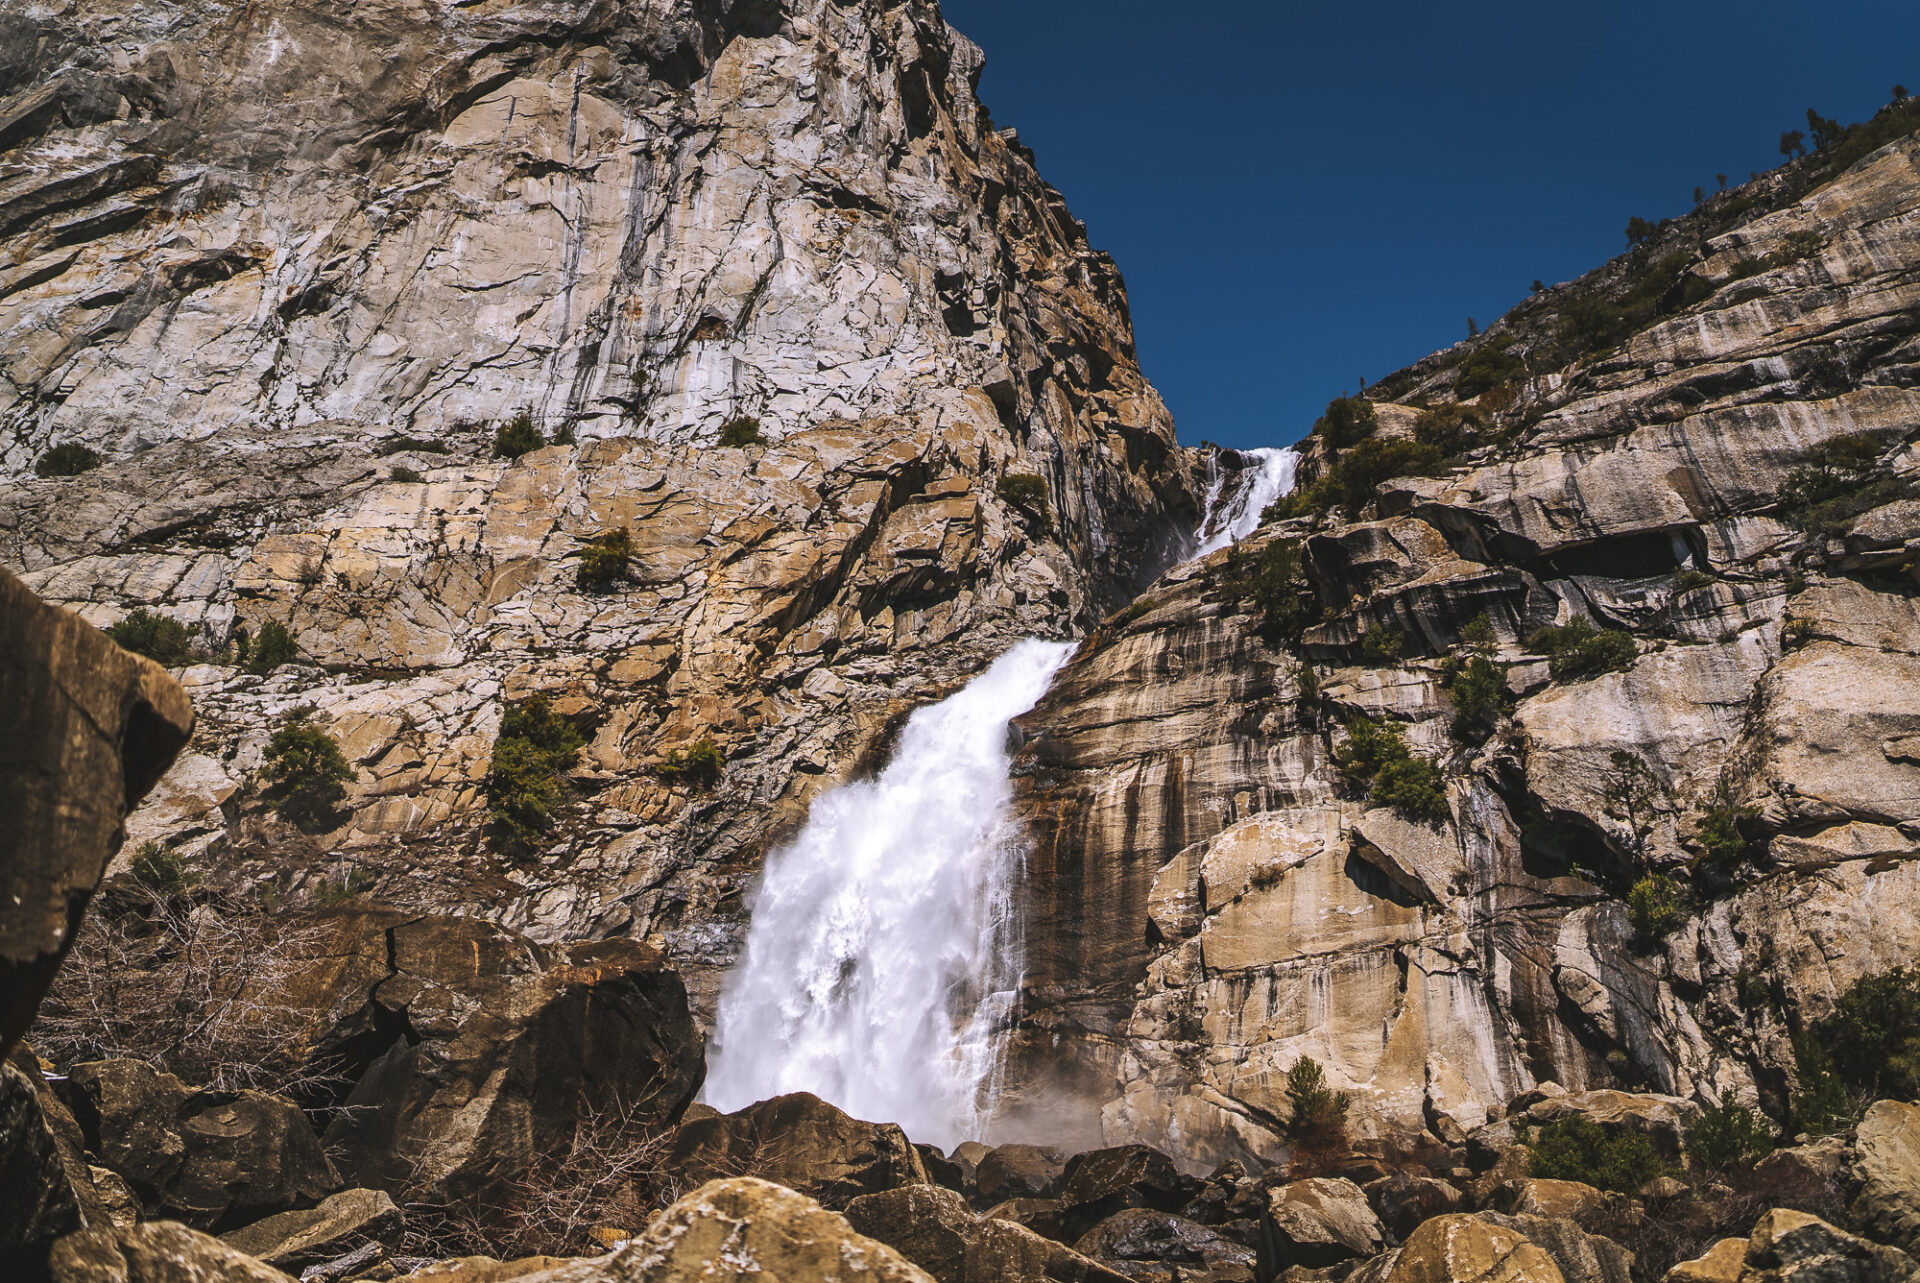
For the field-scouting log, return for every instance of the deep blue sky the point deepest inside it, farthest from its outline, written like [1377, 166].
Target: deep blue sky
[1304, 194]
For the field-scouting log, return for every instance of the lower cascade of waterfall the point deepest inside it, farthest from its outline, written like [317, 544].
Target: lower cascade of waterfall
[883, 958]
[1236, 497]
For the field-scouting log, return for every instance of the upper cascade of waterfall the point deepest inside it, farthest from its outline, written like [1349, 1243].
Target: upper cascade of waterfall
[1237, 496]
[884, 952]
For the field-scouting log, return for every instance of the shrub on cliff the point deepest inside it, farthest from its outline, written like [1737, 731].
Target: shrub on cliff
[1347, 421]
[1480, 699]
[1841, 479]
[1655, 908]
[272, 648]
[1316, 1124]
[1375, 756]
[160, 638]
[699, 766]
[1728, 1134]
[1449, 428]
[525, 779]
[68, 459]
[1490, 366]
[1381, 647]
[1027, 494]
[517, 436]
[1873, 1034]
[1274, 582]
[1578, 650]
[741, 431]
[308, 774]
[1576, 1148]
[604, 559]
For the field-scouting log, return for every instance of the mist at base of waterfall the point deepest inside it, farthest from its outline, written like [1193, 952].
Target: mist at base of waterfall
[882, 962]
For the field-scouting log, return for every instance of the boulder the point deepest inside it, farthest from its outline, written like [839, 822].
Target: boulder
[216, 1158]
[1142, 1236]
[1041, 1215]
[1805, 1177]
[1559, 1200]
[1663, 1119]
[934, 1228]
[483, 1051]
[1886, 1171]
[154, 1252]
[801, 1142]
[1018, 1171]
[45, 1185]
[1402, 1201]
[1100, 1182]
[1789, 1245]
[295, 1239]
[1582, 1257]
[1461, 1248]
[1724, 1262]
[85, 730]
[943, 1170]
[1315, 1223]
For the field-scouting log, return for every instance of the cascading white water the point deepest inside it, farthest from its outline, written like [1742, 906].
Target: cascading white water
[883, 953]
[1236, 499]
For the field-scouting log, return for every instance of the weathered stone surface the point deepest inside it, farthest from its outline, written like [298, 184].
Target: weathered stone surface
[1019, 1171]
[46, 1190]
[1139, 1239]
[804, 1143]
[1886, 1169]
[1316, 1223]
[1795, 1245]
[215, 1157]
[1581, 1256]
[1403, 1201]
[1100, 1182]
[154, 1252]
[1560, 1200]
[1724, 1262]
[291, 1240]
[85, 730]
[1462, 1249]
[934, 1228]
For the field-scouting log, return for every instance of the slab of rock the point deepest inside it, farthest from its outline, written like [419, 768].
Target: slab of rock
[1140, 1236]
[1461, 1248]
[1582, 1257]
[1316, 1223]
[1563, 1200]
[294, 1239]
[1886, 1168]
[934, 1228]
[85, 730]
[213, 1157]
[45, 1186]
[1041, 1215]
[1403, 1201]
[1019, 1171]
[1724, 1262]
[804, 1143]
[154, 1252]
[1100, 1182]
[1786, 1245]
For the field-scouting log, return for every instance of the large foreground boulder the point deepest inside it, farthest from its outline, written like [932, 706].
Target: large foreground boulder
[485, 1053]
[1316, 1223]
[801, 1142]
[45, 1184]
[934, 1228]
[156, 1252]
[1100, 1182]
[214, 1158]
[1143, 1244]
[85, 730]
[1886, 1168]
[1461, 1248]
[309, 1235]
[1018, 1171]
[1798, 1246]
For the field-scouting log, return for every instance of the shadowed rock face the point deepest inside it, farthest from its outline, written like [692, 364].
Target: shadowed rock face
[1209, 899]
[85, 730]
[259, 258]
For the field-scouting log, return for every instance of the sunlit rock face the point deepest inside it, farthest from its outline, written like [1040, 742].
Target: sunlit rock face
[1210, 898]
[260, 257]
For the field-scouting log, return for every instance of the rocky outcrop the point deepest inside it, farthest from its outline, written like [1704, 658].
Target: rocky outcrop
[802, 1142]
[293, 1240]
[933, 1228]
[1462, 1249]
[85, 730]
[1211, 896]
[154, 1252]
[1886, 1170]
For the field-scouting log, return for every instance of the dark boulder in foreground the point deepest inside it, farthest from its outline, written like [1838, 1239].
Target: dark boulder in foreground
[802, 1142]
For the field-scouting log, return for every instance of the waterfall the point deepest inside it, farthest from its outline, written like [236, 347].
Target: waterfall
[1235, 499]
[883, 956]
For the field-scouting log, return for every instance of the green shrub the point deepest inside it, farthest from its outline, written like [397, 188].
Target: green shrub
[271, 649]
[1594, 322]
[1631, 793]
[1133, 610]
[160, 869]
[1722, 844]
[308, 774]
[516, 437]
[69, 459]
[1873, 1034]
[404, 474]
[1382, 646]
[1274, 582]
[1449, 428]
[1729, 1133]
[1027, 494]
[1480, 699]
[525, 783]
[1821, 1103]
[1655, 908]
[1370, 745]
[1376, 755]
[417, 445]
[160, 638]
[1477, 635]
[740, 431]
[1838, 483]
[1578, 650]
[699, 767]
[1347, 421]
[1576, 1148]
[1488, 367]
[604, 558]
[1689, 579]
[1317, 1115]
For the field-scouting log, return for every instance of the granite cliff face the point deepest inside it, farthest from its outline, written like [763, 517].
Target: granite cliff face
[1210, 896]
[260, 257]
